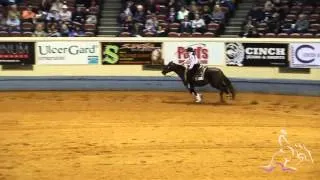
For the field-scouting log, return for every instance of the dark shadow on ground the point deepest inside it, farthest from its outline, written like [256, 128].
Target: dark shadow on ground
[199, 104]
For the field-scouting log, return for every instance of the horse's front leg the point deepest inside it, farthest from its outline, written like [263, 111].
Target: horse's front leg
[221, 97]
[195, 94]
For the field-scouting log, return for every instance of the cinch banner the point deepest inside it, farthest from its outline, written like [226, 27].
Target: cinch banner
[256, 54]
[305, 55]
[148, 53]
[17, 53]
[209, 53]
[67, 52]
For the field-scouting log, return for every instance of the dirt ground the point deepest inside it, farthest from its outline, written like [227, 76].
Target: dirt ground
[152, 135]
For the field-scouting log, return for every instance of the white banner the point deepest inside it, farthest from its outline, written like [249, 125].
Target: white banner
[209, 53]
[67, 52]
[305, 55]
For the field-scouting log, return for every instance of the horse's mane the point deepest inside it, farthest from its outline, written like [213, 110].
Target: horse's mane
[179, 66]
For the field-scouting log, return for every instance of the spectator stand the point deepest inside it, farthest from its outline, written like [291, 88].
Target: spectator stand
[283, 19]
[59, 18]
[201, 18]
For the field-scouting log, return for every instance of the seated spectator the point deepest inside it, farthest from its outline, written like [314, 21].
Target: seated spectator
[172, 15]
[83, 3]
[268, 6]
[301, 25]
[176, 4]
[182, 13]
[76, 31]
[248, 29]
[276, 3]
[41, 16]
[78, 16]
[128, 11]
[150, 6]
[53, 31]
[198, 24]
[39, 31]
[227, 3]
[151, 25]
[91, 19]
[94, 8]
[28, 14]
[53, 15]
[161, 31]
[65, 15]
[186, 25]
[217, 15]
[45, 5]
[193, 11]
[64, 31]
[13, 10]
[257, 14]
[128, 25]
[13, 22]
[206, 14]
[138, 19]
[273, 23]
[56, 5]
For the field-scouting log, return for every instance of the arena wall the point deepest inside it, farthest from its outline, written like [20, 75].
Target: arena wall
[136, 77]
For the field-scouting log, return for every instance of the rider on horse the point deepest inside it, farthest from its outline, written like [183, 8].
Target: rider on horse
[193, 65]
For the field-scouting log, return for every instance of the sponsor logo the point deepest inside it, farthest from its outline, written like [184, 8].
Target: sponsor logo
[131, 53]
[289, 156]
[235, 54]
[72, 50]
[139, 47]
[256, 54]
[306, 54]
[93, 60]
[18, 48]
[111, 54]
[201, 51]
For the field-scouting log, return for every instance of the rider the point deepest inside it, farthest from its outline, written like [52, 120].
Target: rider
[193, 65]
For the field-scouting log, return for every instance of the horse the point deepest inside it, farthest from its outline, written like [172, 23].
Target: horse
[211, 75]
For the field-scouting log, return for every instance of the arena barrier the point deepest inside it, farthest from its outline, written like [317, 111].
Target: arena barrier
[291, 66]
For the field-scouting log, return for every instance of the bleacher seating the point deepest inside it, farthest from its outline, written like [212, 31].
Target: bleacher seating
[297, 19]
[27, 27]
[159, 14]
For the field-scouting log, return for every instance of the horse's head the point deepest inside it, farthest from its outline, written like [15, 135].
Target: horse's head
[168, 68]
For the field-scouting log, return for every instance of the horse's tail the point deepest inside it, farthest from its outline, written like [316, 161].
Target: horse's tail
[229, 86]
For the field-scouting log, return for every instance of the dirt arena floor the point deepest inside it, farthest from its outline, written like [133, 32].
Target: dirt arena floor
[152, 135]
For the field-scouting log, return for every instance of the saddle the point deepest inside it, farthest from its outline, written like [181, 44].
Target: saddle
[199, 75]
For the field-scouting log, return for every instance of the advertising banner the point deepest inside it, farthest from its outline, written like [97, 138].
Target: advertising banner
[305, 55]
[17, 53]
[208, 53]
[68, 52]
[256, 54]
[132, 53]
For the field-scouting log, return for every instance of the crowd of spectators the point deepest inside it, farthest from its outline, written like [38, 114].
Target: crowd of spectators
[49, 18]
[283, 18]
[175, 17]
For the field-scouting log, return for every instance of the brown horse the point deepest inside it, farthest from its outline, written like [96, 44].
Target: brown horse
[213, 76]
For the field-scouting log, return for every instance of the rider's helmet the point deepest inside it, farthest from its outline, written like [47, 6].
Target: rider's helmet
[190, 49]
